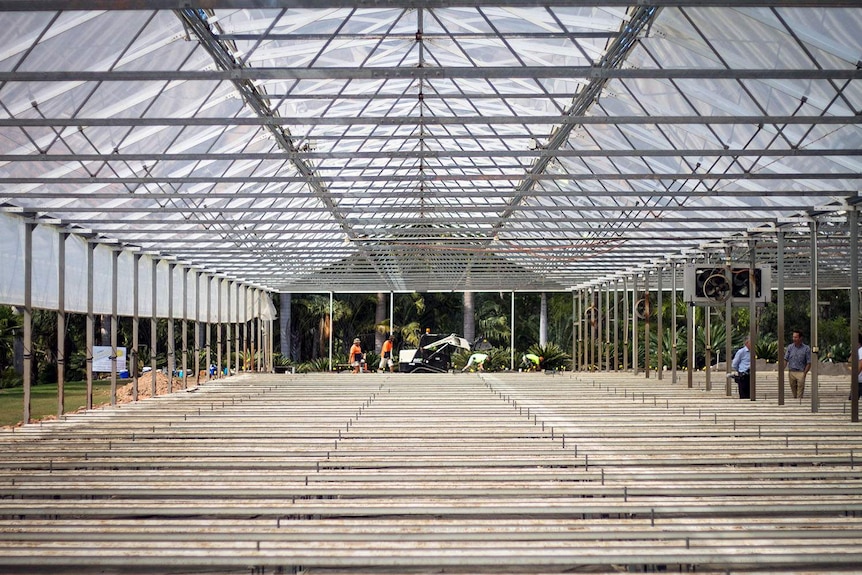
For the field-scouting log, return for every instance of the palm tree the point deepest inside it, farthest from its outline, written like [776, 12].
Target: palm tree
[10, 326]
[493, 321]
[316, 309]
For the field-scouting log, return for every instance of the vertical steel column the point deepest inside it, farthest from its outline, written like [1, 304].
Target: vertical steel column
[270, 325]
[625, 327]
[594, 323]
[171, 338]
[91, 322]
[248, 326]
[853, 224]
[136, 320]
[227, 328]
[752, 314]
[27, 319]
[582, 329]
[607, 334]
[331, 303]
[543, 319]
[659, 303]
[197, 326]
[707, 311]
[728, 324]
[589, 328]
[185, 333]
[115, 258]
[218, 328]
[208, 324]
[673, 318]
[593, 318]
[237, 328]
[815, 316]
[61, 323]
[512, 336]
[575, 328]
[616, 340]
[242, 315]
[597, 329]
[689, 343]
[635, 351]
[781, 343]
[246, 343]
[154, 328]
[261, 333]
[647, 314]
[256, 344]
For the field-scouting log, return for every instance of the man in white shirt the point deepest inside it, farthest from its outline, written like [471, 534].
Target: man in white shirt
[742, 366]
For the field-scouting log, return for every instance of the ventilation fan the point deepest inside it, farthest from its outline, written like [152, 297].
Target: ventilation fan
[714, 285]
[741, 287]
[716, 288]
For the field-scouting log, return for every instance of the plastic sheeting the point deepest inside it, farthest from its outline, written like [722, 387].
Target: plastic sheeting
[196, 295]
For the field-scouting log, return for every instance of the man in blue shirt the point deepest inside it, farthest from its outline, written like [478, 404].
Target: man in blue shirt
[742, 366]
[798, 356]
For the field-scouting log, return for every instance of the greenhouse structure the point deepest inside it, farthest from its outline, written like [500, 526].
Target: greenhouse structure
[186, 161]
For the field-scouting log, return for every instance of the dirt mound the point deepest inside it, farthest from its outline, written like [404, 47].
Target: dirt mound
[164, 385]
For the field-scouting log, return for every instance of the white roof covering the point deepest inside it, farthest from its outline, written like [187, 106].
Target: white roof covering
[432, 145]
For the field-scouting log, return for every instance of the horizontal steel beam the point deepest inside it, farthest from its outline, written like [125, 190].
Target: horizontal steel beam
[131, 226]
[42, 5]
[347, 197]
[452, 214]
[413, 37]
[330, 120]
[429, 154]
[444, 225]
[178, 180]
[432, 73]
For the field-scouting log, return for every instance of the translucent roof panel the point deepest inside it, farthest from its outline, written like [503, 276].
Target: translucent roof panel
[433, 145]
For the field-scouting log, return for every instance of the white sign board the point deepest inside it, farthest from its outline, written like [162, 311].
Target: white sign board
[102, 358]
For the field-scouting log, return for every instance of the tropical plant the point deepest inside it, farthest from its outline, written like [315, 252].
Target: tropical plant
[10, 327]
[493, 322]
[410, 334]
[837, 352]
[317, 364]
[766, 348]
[560, 326]
[315, 320]
[499, 359]
[553, 356]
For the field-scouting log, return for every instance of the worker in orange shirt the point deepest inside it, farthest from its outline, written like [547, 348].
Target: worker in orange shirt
[386, 355]
[356, 356]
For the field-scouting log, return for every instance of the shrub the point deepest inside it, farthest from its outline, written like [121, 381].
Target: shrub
[767, 348]
[554, 356]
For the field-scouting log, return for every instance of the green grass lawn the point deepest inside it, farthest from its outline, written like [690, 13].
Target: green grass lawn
[43, 399]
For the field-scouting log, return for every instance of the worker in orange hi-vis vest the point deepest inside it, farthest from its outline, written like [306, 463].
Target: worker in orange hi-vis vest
[356, 355]
[386, 355]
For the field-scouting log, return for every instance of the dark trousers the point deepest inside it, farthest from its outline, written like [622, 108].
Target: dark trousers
[743, 382]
